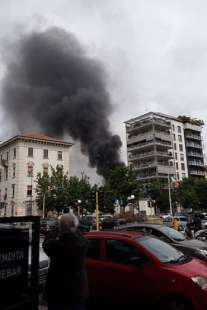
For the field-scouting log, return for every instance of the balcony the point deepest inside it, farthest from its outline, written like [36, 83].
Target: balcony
[194, 154]
[165, 169]
[195, 163]
[163, 136]
[192, 127]
[147, 122]
[192, 136]
[195, 145]
[149, 154]
[145, 136]
[197, 172]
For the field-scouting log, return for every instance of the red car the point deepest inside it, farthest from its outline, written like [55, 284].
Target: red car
[134, 268]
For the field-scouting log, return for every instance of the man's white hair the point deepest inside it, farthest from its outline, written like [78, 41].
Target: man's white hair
[68, 222]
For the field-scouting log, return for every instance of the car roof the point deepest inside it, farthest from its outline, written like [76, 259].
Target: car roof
[109, 234]
[122, 227]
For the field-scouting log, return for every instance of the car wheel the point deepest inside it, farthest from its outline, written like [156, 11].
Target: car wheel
[175, 304]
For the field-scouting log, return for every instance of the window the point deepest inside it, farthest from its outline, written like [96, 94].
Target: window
[13, 190]
[161, 250]
[6, 173]
[182, 166]
[120, 252]
[179, 138]
[93, 249]
[177, 176]
[5, 194]
[173, 127]
[0, 175]
[176, 156]
[176, 166]
[175, 146]
[30, 169]
[182, 157]
[171, 163]
[30, 151]
[29, 190]
[45, 154]
[183, 175]
[15, 153]
[14, 171]
[179, 129]
[181, 147]
[7, 156]
[174, 137]
[45, 169]
[60, 155]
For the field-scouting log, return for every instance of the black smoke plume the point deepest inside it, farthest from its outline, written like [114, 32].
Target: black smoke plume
[51, 84]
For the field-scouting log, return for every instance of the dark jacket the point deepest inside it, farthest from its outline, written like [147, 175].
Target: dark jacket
[67, 279]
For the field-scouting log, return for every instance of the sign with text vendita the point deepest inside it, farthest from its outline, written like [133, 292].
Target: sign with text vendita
[14, 250]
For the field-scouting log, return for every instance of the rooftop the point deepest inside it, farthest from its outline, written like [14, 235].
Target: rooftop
[39, 137]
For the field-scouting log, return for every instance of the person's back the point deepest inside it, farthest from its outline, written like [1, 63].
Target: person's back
[197, 223]
[67, 281]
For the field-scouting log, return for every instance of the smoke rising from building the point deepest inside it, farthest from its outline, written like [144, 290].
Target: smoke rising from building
[51, 84]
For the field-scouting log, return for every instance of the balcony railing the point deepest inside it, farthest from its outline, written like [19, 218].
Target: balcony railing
[191, 136]
[200, 155]
[149, 154]
[149, 136]
[147, 122]
[196, 172]
[195, 145]
[148, 143]
[195, 163]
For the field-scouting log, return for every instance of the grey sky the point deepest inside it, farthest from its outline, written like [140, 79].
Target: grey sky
[155, 52]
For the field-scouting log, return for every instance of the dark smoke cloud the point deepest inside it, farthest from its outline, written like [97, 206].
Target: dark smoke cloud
[52, 84]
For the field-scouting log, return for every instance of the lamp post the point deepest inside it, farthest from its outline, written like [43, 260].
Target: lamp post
[43, 206]
[79, 202]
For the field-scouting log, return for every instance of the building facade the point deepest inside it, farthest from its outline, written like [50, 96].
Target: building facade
[21, 159]
[160, 145]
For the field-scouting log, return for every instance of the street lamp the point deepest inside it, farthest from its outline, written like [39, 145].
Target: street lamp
[79, 202]
[131, 199]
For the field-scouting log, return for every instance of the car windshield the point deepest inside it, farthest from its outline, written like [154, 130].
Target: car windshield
[172, 233]
[164, 252]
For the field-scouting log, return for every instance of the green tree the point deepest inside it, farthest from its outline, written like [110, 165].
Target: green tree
[122, 183]
[61, 192]
[53, 190]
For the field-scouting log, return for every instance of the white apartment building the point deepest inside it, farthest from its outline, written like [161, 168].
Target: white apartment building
[21, 159]
[159, 145]
[179, 158]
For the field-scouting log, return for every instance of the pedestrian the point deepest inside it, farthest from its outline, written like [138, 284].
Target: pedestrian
[175, 224]
[197, 223]
[188, 231]
[66, 286]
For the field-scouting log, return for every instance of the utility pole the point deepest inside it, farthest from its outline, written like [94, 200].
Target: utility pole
[170, 199]
[97, 212]
[43, 206]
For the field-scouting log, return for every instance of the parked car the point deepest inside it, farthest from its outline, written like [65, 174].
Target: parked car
[201, 235]
[137, 269]
[191, 247]
[48, 224]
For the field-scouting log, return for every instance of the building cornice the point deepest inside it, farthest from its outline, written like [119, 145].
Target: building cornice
[41, 140]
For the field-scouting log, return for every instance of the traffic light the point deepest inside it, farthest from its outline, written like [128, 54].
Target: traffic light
[93, 197]
[101, 200]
